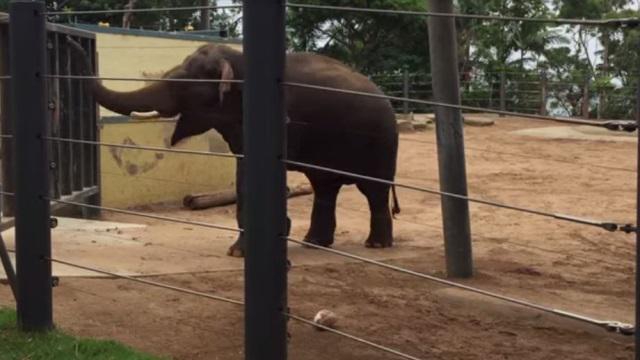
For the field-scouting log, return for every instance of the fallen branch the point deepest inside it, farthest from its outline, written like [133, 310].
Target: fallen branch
[228, 197]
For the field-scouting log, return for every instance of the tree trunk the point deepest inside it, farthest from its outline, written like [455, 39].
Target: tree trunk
[127, 18]
[205, 15]
[605, 70]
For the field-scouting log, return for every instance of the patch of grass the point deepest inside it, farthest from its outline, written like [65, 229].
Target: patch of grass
[54, 345]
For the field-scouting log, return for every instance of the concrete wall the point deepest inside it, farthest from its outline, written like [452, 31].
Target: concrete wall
[136, 177]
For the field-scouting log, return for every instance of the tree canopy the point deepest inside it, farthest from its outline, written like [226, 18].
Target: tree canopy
[593, 68]
[369, 42]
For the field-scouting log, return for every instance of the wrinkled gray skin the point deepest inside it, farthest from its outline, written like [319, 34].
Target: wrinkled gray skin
[345, 132]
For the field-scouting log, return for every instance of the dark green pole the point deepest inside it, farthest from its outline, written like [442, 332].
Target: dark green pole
[27, 39]
[265, 199]
[637, 333]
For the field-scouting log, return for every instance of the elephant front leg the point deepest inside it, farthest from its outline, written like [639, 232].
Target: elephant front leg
[381, 227]
[238, 248]
[323, 215]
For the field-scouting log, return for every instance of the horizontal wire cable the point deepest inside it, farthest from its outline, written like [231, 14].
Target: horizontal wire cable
[524, 156]
[609, 226]
[145, 10]
[140, 147]
[156, 217]
[451, 106]
[495, 241]
[142, 178]
[148, 282]
[5, 136]
[226, 300]
[359, 93]
[111, 78]
[5, 193]
[352, 337]
[602, 323]
[558, 21]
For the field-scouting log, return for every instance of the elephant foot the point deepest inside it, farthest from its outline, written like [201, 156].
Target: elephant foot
[237, 249]
[315, 241]
[378, 243]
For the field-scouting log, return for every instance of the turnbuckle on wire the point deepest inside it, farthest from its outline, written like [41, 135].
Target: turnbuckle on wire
[621, 125]
[629, 228]
[618, 327]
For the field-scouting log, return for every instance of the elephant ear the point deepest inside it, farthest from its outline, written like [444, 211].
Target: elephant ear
[226, 73]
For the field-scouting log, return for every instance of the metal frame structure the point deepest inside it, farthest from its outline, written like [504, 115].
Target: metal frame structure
[70, 113]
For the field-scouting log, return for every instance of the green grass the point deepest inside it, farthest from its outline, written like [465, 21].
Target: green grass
[54, 345]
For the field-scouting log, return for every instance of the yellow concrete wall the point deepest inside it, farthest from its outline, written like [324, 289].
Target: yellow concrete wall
[137, 177]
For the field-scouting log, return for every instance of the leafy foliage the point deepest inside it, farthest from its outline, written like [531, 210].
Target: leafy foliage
[602, 81]
[369, 42]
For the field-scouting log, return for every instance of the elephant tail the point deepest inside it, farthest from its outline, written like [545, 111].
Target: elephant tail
[396, 206]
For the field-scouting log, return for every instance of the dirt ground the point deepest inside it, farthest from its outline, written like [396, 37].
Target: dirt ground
[561, 265]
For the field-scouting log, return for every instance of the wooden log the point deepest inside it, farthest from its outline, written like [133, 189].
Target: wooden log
[228, 197]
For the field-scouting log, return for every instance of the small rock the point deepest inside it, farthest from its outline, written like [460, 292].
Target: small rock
[325, 318]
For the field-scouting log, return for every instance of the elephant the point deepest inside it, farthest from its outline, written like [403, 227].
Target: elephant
[341, 131]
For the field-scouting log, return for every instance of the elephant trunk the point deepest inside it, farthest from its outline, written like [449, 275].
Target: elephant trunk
[154, 97]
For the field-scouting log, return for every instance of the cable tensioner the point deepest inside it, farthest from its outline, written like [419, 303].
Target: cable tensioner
[628, 126]
[629, 228]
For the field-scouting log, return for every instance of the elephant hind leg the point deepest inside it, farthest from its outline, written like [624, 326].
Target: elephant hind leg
[323, 215]
[381, 228]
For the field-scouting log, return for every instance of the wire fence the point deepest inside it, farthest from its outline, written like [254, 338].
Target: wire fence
[149, 216]
[234, 302]
[606, 225]
[148, 148]
[609, 325]
[610, 125]
[477, 97]
[556, 21]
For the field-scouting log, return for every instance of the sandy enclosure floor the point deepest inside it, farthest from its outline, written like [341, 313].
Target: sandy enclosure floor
[562, 265]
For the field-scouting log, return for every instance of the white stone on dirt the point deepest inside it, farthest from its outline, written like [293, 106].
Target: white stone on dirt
[326, 318]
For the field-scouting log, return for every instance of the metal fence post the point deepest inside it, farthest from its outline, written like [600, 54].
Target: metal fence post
[543, 93]
[503, 92]
[585, 98]
[451, 158]
[265, 182]
[637, 304]
[29, 113]
[405, 90]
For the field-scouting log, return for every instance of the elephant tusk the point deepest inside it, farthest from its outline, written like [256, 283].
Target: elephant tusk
[144, 115]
